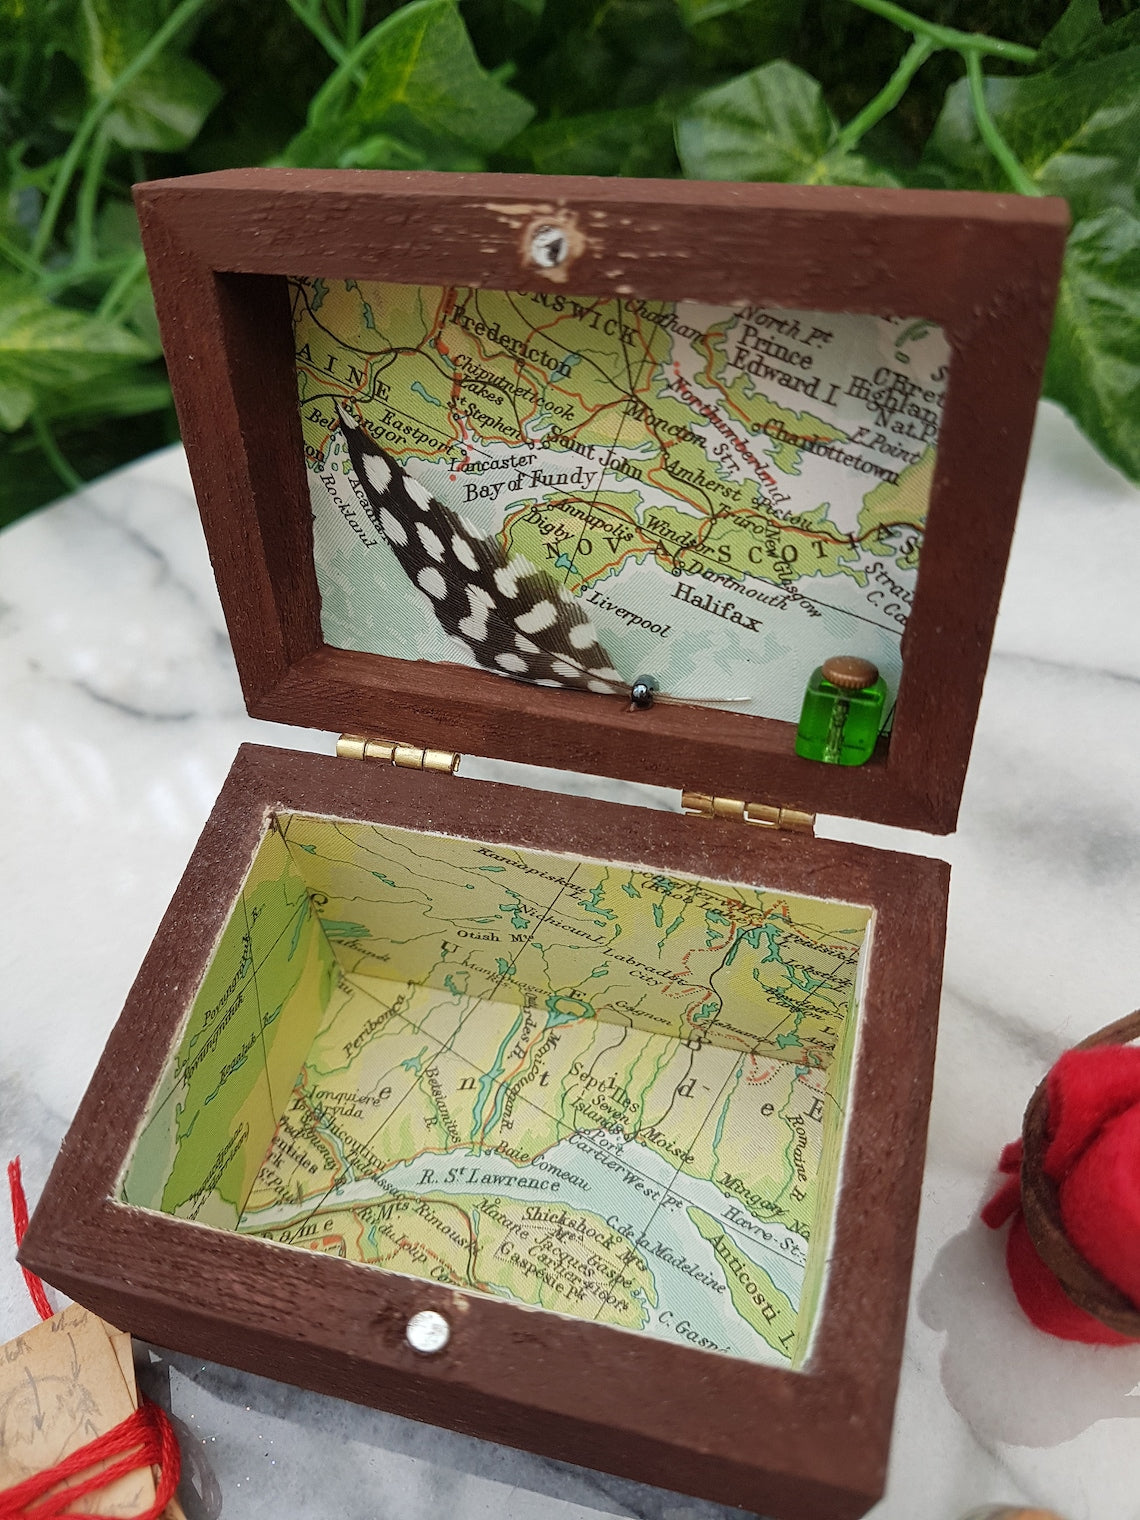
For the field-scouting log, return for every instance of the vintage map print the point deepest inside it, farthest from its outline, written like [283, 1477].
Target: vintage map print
[589, 1088]
[732, 495]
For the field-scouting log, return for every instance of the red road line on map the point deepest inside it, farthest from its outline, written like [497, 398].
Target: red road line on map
[709, 517]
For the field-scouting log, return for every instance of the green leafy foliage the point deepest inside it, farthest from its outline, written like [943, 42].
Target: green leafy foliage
[1094, 359]
[95, 94]
[1074, 129]
[696, 11]
[412, 94]
[770, 124]
[49, 354]
[1080, 27]
[164, 107]
[635, 141]
[756, 28]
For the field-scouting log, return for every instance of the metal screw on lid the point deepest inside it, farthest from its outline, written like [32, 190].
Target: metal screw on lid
[849, 672]
[428, 1332]
[548, 247]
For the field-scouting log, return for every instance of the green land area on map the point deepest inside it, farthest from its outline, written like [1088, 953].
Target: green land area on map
[599, 1090]
[734, 494]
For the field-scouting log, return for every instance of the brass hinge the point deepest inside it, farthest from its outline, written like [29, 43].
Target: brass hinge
[408, 756]
[763, 814]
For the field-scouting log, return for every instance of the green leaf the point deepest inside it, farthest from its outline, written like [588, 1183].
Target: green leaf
[1074, 129]
[384, 152]
[617, 54]
[1094, 359]
[118, 229]
[837, 167]
[770, 124]
[381, 151]
[1122, 33]
[424, 87]
[1080, 25]
[956, 152]
[637, 141]
[164, 107]
[693, 12]
[730, 35]
[342, 146]
[46, 349]
[1078, 39]
[132, 392]
[427, 76]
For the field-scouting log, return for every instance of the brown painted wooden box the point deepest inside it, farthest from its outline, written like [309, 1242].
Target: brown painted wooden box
[635, 1101]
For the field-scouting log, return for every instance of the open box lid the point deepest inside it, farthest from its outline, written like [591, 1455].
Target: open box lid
[980, 271]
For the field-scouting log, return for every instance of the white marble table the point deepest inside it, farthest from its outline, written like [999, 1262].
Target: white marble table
[120, 715]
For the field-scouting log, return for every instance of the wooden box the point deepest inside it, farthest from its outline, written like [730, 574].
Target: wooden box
[636, 1102]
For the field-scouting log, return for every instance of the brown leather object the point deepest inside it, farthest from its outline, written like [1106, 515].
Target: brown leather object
[1041, 1206]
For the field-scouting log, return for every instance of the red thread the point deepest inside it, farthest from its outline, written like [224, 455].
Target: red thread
[20, 1221]
[144, 1439]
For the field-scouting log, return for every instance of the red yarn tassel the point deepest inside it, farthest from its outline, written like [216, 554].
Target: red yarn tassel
[20, 1220]
[144, 1439]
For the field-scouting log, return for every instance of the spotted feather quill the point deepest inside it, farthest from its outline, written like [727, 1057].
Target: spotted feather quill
[516, 620]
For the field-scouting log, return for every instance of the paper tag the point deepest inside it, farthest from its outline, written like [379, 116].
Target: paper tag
[62, 1384]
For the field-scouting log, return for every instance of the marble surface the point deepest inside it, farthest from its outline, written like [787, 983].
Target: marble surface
[121, 713]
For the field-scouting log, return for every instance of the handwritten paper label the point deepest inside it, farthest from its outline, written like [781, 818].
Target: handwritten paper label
[62, 1384]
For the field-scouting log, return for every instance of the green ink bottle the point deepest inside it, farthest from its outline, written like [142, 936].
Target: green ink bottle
[842, 712]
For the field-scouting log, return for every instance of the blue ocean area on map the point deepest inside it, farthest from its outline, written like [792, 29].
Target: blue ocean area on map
[588, 1172]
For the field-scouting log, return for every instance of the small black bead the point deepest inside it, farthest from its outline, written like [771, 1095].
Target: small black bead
[641, 692]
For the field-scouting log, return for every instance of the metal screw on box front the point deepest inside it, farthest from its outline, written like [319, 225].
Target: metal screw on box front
[549, 247]
[427, 1332]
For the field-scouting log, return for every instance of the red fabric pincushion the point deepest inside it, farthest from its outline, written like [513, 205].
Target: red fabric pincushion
[1093, 1158]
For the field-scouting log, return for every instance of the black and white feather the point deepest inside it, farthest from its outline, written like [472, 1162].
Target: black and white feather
[515, 619]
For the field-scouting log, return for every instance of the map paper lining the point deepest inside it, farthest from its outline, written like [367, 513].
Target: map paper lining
[602, 1090]
[734, 494]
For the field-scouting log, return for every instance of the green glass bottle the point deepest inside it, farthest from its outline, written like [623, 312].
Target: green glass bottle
[842, 712]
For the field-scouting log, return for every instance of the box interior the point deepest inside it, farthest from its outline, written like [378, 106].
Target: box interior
[730, 494]
[587, 1087]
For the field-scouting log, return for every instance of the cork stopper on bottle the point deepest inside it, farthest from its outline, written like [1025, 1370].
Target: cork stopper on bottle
[849, 672]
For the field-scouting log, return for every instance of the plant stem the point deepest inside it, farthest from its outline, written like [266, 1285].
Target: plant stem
[310, 17]
[348, 70]
[108, 307]
[354, 22]
[46, 440]
[889, 96]
[987, 129]
[174, 23]
[51, 281]
[18, 257]
[88, 202]
[949, 36]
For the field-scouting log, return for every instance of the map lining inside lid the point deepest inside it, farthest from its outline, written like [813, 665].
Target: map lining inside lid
[596, 1089]
[731, 496]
